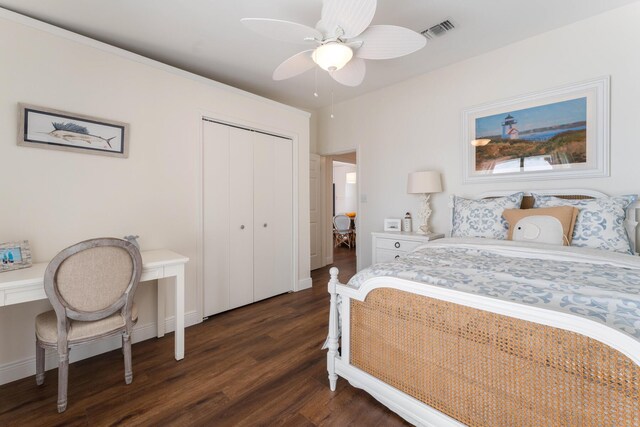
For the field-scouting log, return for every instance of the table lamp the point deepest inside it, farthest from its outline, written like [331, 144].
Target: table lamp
[425, 183]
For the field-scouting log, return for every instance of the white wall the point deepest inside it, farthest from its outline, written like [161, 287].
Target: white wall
[56, 199]
[345, 195]
[416, 125]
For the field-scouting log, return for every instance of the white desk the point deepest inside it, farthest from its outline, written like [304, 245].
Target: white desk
[166, 266]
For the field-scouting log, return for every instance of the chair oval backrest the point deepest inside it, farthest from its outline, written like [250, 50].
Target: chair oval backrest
[342, 222]
[93, 279]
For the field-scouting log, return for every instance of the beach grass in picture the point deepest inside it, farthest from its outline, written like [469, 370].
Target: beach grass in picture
[561, 132]
[46, 128]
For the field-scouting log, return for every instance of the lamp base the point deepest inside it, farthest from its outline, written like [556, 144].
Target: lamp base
[424, 229]
[424, 214]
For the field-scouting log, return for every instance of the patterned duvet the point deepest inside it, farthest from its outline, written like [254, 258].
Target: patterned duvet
[598, 285]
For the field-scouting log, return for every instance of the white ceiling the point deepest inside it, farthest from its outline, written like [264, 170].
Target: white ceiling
[206, 37]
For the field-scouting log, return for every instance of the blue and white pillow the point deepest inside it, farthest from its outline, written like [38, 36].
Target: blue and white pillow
[483, 217]
[600, 222]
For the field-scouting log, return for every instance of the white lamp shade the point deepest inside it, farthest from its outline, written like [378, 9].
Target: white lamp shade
[424, 182]
[332, 56]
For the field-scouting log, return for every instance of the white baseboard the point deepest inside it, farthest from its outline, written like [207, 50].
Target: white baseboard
[27, 367]
[305, 284]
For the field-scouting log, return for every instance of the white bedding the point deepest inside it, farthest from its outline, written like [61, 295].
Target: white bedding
[599, 285]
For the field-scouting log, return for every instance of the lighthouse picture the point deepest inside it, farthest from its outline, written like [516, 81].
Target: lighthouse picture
[508, 130]
[533, 139]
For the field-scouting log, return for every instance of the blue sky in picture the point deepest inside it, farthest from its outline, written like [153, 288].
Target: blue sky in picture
[556, 114]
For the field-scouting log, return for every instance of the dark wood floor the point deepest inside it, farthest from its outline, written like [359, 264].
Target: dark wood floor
[256, 365]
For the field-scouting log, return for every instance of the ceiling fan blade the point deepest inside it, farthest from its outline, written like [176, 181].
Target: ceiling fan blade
[353, 16]
[352, 74]
[282, 30]
[389, 41]
[297, 64]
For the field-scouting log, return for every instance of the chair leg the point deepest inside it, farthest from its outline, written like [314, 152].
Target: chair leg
[63, 378]
[39, 363]
[126, 347]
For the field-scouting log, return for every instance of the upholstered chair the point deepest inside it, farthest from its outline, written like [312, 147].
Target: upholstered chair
[90, 286]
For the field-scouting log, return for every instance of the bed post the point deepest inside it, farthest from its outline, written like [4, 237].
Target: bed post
[332, 342]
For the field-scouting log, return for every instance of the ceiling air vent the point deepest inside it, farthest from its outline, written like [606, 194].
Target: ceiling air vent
[438, 30]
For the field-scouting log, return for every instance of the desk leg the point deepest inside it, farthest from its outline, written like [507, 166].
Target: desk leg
[179, 346]
[162, 294]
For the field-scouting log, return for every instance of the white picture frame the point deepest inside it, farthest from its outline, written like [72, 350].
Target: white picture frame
[392, 224]
[580, 111]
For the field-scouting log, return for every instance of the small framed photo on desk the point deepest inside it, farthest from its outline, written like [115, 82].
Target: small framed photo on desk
[392, 224]
[14, 255]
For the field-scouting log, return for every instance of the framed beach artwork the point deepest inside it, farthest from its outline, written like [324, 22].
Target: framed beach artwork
[558, 133]
[42, 127]
[15, 255]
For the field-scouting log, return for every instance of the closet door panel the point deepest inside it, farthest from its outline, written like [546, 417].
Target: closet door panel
[240, 225]
[283, 210]
[215, 208]
[264, 191]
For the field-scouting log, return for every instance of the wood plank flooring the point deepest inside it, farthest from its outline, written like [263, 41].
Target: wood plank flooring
[256, 365]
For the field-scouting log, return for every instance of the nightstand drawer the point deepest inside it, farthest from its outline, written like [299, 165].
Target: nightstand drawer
[388, 246]
[387, 255]
[397, 244]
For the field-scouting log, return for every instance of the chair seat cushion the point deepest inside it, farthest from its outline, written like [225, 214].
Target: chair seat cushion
[47, 326]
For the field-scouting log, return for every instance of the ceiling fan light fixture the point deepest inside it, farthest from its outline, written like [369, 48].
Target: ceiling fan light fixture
[332, 56]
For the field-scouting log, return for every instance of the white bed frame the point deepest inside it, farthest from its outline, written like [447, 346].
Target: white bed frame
[409, 408]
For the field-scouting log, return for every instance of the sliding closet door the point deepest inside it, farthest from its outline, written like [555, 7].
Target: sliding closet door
[241, 226]
[215, 185]
[283, 209]
[247, 216]
[272, 216]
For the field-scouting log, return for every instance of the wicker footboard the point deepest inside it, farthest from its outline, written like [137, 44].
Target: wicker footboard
[486, 369]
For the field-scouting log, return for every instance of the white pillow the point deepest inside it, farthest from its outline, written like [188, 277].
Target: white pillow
[539, 229]
[482, 217]
[600, 221]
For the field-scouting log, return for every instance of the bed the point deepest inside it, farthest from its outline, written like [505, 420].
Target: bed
[491, 332]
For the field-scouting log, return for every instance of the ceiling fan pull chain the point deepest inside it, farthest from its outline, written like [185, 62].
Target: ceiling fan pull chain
[332, 104]
[315, 92]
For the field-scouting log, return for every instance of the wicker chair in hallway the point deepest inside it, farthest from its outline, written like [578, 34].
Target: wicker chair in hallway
[90, 286]
[342, 231]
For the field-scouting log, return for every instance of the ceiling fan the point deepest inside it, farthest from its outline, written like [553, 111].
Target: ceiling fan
[343, 40]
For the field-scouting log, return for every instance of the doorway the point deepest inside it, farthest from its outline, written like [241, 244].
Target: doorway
[334, 191]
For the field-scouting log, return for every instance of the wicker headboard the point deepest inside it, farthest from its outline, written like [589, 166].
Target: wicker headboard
[631, 223]
[527, 200]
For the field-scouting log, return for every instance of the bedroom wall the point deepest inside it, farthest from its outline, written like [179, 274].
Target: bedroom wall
[55, 199]
[416, 125]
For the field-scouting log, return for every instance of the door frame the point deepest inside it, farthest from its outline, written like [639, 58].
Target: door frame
[322, 202]
[327, 182]
[296, 282]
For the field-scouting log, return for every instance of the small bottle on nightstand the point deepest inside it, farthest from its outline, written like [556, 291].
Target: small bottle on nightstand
[406, 222]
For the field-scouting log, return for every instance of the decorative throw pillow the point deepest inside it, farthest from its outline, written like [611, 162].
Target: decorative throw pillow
[482, 217]
[565, 214]
[600, 222]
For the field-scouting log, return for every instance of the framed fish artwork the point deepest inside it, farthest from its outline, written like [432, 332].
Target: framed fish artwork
[42, 127]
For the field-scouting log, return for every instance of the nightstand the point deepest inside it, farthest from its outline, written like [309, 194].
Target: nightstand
[391, 245]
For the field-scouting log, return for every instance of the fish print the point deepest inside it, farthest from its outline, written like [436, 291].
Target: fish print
[74, 132]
